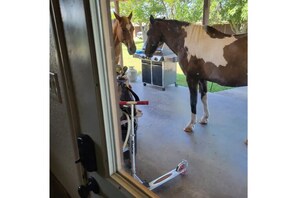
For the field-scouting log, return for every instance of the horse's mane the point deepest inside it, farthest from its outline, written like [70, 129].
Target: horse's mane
[173, 21]
[213, 32]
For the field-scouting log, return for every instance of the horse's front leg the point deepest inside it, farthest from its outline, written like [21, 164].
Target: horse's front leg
[203, 92]
[192, 84]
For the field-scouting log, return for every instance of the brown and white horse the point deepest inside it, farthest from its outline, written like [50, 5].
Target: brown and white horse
[204, 54]
[123, 29]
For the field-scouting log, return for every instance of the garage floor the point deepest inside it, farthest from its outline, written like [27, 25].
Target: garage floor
[216, 152]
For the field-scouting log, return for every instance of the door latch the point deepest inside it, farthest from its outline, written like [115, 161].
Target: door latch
[87, 154]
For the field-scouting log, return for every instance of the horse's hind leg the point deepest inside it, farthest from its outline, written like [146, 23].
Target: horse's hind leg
[192, 84]
[203, 92]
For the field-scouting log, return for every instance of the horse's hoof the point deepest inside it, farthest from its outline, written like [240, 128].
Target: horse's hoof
[188, 129]
[203, 121]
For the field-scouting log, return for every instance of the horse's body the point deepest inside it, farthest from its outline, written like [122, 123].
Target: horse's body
[123, 29]
[205, 54]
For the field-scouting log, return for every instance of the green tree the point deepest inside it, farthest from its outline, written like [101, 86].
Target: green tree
[233, 11]
[184, 10]
[142, 9]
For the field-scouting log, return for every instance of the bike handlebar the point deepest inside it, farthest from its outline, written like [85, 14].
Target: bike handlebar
[144, 102]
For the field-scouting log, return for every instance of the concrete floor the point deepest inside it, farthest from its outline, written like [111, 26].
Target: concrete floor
[216, 152]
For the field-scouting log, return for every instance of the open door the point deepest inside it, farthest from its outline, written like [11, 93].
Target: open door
[82, 34]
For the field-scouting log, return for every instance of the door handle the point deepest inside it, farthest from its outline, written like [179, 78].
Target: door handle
[87, 156]
[92, 185]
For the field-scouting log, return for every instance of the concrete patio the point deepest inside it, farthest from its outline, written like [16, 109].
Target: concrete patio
[216, 152]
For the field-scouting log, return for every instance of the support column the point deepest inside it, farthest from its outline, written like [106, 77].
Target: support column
[206, 6]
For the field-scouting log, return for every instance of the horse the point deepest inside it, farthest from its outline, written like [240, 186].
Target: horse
[123, 29]
[204, 54]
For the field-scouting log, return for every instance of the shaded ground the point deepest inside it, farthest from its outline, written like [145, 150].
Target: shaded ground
[216, 152]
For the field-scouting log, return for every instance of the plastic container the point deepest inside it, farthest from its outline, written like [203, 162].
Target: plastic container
[132, 74]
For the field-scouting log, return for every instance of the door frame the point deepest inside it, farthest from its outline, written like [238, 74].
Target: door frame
[110, 177]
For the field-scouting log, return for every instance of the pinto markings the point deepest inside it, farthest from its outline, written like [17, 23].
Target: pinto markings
[201, 45]
[193, 45]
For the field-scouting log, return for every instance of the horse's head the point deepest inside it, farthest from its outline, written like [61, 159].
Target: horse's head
[154, 37]
[125, 32]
